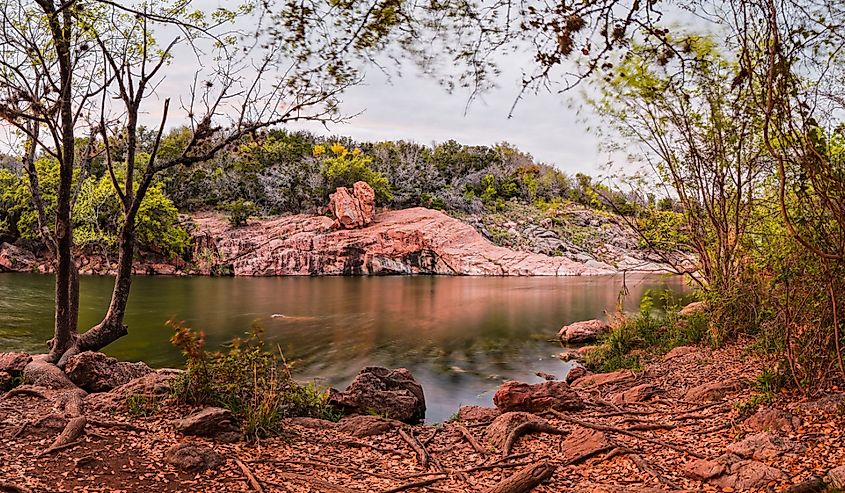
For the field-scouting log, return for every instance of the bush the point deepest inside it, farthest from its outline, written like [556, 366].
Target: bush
[342, 168]
[246, 379]
[239, 211]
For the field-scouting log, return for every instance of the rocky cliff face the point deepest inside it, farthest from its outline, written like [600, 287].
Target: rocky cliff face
[408, 241]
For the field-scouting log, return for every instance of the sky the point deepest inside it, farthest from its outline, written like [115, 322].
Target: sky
[416, 108]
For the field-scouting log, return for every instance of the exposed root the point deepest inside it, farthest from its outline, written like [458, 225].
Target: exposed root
[529, 427]
[416, 484]
[24, 390]
[7, 487]
[419, 448]
[472, 441]
[525, 480]
[646, 467]
[68, 436]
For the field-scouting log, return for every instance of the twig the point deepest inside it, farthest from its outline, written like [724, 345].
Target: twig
[251, 477]
[422, 455]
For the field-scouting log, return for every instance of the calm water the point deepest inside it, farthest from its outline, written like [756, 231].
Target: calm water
[460, 336]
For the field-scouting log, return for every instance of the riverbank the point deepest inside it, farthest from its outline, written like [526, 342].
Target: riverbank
[407, 241]
[685, 423]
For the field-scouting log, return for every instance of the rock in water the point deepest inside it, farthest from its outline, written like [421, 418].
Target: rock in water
[517, 396]
[586, 331]
[389, 393]
[96, 372]
[353, 209]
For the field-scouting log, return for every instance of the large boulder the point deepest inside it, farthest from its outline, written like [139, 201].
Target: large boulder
[518, 396]
[586, 331]
[209, 422]
[836, 477]
[14, 363]
[353, 209]
[748, 475]
[193, 457]
[96, 372]
[364, 426]
[703, 469]
[389, 393]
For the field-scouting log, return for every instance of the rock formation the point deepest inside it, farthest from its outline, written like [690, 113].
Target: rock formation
[393, 394]
[517, 396]
[353, 209]
[586, 331]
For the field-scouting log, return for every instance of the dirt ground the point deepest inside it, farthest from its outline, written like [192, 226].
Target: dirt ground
[610, 446]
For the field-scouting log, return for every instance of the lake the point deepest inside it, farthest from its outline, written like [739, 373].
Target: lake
[459, 336]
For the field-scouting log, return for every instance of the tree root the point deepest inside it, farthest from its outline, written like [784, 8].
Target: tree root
[416, 484]
[472, 441]
[24, 390]
[623, 431]
[524, 480]
[646, 467]
[529, 427]
[68, 437]
[419, 448]
[7, 487]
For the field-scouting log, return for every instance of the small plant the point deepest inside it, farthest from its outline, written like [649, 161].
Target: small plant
[253, 383]
[142, 405]
[239, 211]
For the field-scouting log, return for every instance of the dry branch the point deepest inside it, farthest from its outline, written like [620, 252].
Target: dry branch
[251, 477]
[525, 480]
[472, 441]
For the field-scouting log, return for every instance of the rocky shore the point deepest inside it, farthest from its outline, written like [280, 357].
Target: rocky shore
[682, 424]
[355, 239]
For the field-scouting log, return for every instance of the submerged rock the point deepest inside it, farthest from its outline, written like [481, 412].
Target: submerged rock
[518, 396]
[388, 393]
[585, 331]
[96, 372]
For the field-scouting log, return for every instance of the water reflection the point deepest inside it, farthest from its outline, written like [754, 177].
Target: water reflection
[460, 336]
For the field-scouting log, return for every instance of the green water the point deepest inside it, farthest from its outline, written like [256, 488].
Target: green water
[460, 336]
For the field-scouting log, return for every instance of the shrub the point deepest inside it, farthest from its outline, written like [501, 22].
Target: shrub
[254, 384]
[239, 211]
[342, 168]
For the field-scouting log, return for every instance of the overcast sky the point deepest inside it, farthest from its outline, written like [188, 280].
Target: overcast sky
[416, 108]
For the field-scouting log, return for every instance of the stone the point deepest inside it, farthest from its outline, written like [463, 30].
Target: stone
[209, 422]
[640, 393]
[585, 350]
[156, 385]
[477, 413]
[546, 376]
[693, 308]
[364, 426]
[583, 441]
[703, 469]
[827, 404]
[762, 446]
[6, 381]
[711, 391]
[749, 475]
[14, 363]
[498, 431]
[353, 209]
[601, 379]
[577, 371]
[389, 393]
[836, 477]
[193, 457]
[16, 259]
[570, 354]
[96, 372]
[679, 351]
[585, 331]
[773, 420]
[408, 241]
[518, 396]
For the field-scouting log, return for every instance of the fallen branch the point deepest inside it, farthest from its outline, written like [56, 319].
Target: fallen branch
[644, 466]
[472, 441]
[583, 457]
[525, 480]
[622, 431]
[251, 477]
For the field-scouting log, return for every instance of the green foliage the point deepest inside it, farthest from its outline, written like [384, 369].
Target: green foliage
[239, 211]
[142, 405]
[342, 168]
[663, 230]
[254, 384]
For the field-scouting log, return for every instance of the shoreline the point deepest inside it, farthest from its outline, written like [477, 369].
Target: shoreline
[689, 436]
